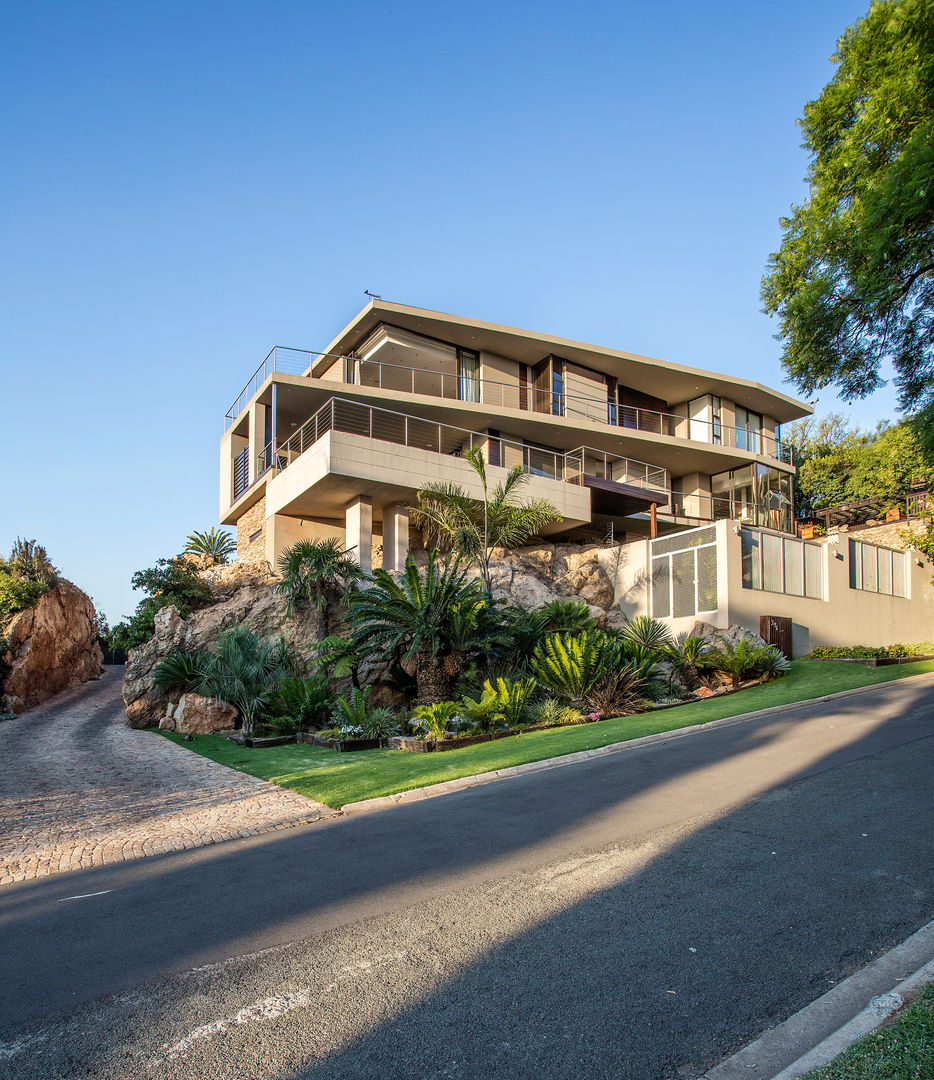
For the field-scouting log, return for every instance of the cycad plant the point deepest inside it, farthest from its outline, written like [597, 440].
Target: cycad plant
[304, 701]
[472, 527]
[570, 666]
[430, 622]
[505, 701]
[180, 671]
[243, 671]
[313, 573]
[434, 721]
[687, 656]
[737, 659]
[217, 545]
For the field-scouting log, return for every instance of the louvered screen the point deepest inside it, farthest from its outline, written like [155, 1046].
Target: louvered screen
[682, 584]
[687, 539]
[899, 573]
[868, 564]
[752, 560]
[707, 579]
[813, 572]
[885, 571]
[794, 567]
[771, 562]
[661, 588]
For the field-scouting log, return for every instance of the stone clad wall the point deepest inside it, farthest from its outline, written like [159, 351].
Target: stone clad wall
[248, 524]
[886, 535]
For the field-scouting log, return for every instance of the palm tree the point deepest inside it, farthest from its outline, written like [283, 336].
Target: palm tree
[431, 622]
[314, 572]
[243, 671]
[215, 544]
[473, 527]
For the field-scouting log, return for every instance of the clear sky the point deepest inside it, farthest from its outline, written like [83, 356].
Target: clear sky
[187, 184]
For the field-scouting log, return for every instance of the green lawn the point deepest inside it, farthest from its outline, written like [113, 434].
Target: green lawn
[904, 1051]
[335, 779]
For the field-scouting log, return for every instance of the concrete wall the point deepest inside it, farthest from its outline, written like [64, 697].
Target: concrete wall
[843, 617]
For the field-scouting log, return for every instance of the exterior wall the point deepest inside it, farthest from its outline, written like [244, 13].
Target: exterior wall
[282, 531]
[249, 523]
[696, 490]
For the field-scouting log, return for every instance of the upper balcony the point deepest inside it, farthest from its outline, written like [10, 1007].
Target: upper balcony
[473, 388]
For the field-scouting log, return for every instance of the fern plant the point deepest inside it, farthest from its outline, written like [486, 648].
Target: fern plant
[306, 701]
[351, 711]
[569, 666]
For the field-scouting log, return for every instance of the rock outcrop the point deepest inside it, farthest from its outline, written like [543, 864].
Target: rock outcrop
[246, 596]
[50, 648]
[198, 715]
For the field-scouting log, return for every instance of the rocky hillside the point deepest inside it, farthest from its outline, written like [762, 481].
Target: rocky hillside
[530, 577]
[50, 647]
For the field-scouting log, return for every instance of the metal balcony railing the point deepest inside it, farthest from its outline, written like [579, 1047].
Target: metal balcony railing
[470, 388]
[385, 425]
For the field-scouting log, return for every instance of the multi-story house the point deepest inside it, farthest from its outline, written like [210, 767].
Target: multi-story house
[338, 443]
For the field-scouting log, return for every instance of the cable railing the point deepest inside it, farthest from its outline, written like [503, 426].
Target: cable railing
[471, 388]
[386, 425]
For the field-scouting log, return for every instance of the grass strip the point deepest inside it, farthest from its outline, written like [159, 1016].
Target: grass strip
[903, 1050]
[334, 779]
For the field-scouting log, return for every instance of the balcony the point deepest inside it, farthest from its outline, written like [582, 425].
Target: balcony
[582, 466]
[509, 395]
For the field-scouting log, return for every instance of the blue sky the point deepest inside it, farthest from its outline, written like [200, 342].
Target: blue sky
[186, 185]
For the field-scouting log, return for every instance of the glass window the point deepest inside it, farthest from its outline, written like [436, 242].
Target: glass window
[468, 375]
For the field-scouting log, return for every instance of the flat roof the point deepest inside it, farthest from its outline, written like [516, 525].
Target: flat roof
[682, 383]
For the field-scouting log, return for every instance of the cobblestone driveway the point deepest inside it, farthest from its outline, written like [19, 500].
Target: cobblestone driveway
[79, 788]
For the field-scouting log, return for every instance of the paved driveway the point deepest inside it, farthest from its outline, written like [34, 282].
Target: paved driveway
[78, 788]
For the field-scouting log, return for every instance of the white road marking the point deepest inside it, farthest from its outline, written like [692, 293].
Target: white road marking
[84, 896]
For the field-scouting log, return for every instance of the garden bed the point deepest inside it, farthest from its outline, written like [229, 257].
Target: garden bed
[341, 745]
[455, 742]
[258, 742]
[875, 661]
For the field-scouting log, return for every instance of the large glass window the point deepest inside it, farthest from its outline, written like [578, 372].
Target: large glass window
[468, 375]
[755, 494]
[782, 564]
[748, 430]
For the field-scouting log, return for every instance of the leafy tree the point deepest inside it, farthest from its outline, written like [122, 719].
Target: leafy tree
[170, 581]
[852, 284]
[313, 573]
[217, 545]
[429, 622]
[474, 527]
[24, 577]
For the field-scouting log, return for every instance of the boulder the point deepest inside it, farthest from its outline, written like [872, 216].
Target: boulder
[198, 715]
[50, 648]
[729, 635]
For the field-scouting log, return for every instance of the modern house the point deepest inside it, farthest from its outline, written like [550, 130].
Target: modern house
[337, 443]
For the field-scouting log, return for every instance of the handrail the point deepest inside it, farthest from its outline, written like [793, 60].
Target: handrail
[453, 386]
[388, 425]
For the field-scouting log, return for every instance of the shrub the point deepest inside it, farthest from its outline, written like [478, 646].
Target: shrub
[737, 659]
[571, 666]
[434, 721]
[647, 633]
[502, 703]
[24, 577]
[171, 581]
[347, 731]
[182, 671]
[381, 723]
[618, 693]
[771, 662]
[307, 702]
[554, 713]
[687, 656]
[244, 671]
[16, 595]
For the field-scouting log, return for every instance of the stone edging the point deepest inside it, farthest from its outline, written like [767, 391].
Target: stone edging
[414, 794]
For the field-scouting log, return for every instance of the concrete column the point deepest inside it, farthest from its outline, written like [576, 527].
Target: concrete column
[395, 536]
[358, 525]
[257, 422]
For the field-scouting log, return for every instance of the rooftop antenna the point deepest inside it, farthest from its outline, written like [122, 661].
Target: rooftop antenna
[372, 295]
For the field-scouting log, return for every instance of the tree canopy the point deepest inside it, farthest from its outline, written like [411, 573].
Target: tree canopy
[852, 284]
[838, 463]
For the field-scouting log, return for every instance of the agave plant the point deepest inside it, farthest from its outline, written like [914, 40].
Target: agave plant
[647, 633]
[569, 666]
[243, 671]
[217, 545]
[313, 573]
[771, 662]
[181, 671]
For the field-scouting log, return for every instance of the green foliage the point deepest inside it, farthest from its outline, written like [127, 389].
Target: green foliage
[570, 666]
[839, 464]
[526, 630]
[381, 723]
[350, 709]
[307, 702]
[554, 713]
[313, 573]
[354, 713]
[745, 658]
[620, 692]
[431, 622]
[215, 544]
[24, 577]
[646, 633]
[170, 582]
[181, 671]
[446, 514]
[503, 703]
[434, 721]
[868, 652]
[772, 663]
[243, 671]
[853, 281]
[687, 656]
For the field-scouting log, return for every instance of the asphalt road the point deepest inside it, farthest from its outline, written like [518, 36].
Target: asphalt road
[636, 916]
